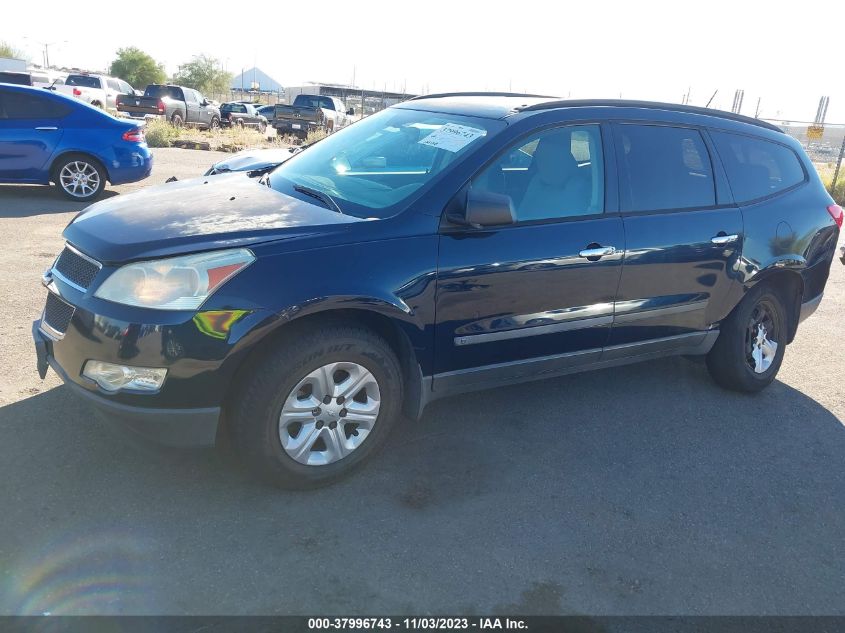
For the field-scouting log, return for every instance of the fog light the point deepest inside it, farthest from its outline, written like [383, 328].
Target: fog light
[113, 377]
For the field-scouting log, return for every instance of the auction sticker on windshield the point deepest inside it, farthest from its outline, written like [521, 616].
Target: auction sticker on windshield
[452, 137]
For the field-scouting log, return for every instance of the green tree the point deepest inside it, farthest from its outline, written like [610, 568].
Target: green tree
[137, 68]
[203, 73]
[7, 50]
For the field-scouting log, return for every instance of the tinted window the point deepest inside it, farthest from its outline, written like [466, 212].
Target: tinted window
[558, 173]
[21, 79]
[663, 168]
[159, 92]
[233, 107]
[113, 84]
[83, 81]
[757, 168]
[17, 105]
[125, 88]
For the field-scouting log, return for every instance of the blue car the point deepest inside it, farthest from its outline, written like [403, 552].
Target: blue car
[47, 137]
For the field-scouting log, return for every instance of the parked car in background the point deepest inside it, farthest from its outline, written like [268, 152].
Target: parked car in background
[415, 255]
[40, 78]
[100, 91]
[177, 104]
[48, 137]
[235, 114]
[17, 78]
[268, 112]
[256, 162]
[309, 112]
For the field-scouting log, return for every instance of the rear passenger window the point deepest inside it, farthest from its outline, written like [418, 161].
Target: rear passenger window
[664, 168]
[18, 105]
[757, 168]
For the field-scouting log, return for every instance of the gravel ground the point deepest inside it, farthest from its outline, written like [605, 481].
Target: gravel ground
[638, 490]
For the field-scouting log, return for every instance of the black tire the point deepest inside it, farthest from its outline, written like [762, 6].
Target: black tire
[240, 123]
[176, 120]
[75, 162]
[214, 124]
[262, 127]
[730, 362]
[258, 400]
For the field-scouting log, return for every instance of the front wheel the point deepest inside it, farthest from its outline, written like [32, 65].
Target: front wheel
[262, 127]
[214, 124]
[752, 341]
[317, 406]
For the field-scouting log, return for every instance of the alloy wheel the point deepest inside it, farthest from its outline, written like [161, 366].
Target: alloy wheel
[761, 337]
[329, 413]
[79, 179]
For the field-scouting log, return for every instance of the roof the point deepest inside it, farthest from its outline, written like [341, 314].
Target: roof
[499, 105]
[265, 82]
[489, 105]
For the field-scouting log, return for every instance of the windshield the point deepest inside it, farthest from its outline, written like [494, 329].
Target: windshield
[372, 167]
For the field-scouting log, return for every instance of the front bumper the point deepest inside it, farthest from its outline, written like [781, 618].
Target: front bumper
[172, 427]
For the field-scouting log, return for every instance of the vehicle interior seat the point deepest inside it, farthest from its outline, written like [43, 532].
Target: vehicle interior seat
[557, 187]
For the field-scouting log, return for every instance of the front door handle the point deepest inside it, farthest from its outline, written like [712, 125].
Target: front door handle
[46, 128]
[594, 253]
[721, 239]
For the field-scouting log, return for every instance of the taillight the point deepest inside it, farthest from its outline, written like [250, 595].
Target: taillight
[77, 92]
[135, 135]
[835, 212]
[160, 105]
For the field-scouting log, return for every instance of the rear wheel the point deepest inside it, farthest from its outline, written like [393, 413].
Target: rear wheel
[176, 119]
[316, 407]
[79, 177]
[752, 341]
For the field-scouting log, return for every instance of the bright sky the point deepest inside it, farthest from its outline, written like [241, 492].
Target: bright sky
[787, 53]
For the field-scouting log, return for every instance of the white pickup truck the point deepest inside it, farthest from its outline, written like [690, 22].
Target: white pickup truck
[98, 90]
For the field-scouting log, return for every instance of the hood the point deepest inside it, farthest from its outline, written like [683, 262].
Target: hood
[193, 215]
[253, 159]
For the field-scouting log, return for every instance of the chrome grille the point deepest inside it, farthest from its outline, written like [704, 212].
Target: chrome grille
[75, 268]
[57, 314]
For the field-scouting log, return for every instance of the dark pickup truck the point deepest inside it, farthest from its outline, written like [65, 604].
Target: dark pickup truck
[179, 105]
[310, 112]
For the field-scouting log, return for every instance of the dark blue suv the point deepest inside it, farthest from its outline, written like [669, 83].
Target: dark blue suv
[449, 243]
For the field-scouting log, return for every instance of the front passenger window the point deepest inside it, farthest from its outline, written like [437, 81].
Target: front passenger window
[558, 173]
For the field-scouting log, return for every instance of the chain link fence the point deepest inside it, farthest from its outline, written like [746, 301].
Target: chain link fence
[825, 145]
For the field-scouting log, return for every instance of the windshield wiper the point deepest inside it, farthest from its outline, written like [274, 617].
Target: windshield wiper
[322, 196]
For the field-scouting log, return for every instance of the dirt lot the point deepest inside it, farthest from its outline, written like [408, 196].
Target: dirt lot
[642, 490]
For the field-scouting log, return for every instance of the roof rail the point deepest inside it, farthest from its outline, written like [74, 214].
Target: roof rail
[479, 94]
[653, 105]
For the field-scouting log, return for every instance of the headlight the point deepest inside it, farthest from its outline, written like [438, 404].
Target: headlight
[176, 283]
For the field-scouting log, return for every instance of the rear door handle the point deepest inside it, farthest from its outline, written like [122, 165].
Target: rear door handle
[722, 239]
[46, 128]
[597, 252]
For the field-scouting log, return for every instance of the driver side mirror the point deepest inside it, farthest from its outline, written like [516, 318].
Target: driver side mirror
[350, 112]
[482, 209]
